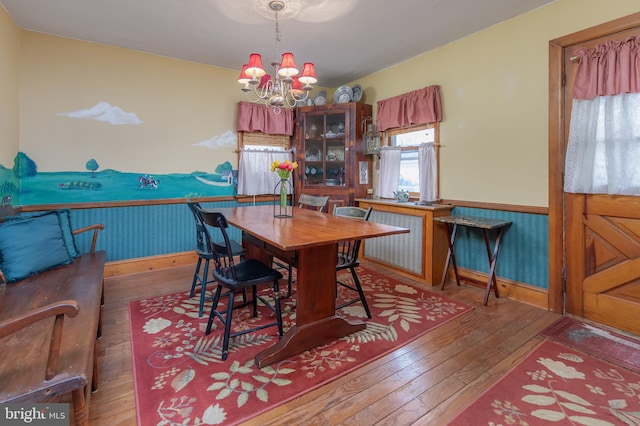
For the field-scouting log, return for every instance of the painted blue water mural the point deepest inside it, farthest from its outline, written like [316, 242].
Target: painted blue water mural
[112, 185]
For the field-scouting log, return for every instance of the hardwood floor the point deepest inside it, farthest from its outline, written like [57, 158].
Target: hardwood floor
[423, 383]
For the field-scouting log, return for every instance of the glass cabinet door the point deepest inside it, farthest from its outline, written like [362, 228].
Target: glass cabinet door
[324, 149]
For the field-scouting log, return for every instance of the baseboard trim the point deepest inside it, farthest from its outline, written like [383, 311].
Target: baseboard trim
[506, 288]
[516, 290]
[150, 263]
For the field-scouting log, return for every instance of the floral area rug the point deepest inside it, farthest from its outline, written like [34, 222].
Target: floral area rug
[559, 385]
[180, 378]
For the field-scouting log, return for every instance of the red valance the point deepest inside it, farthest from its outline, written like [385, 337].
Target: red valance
[611, 68]
[260, 118]
[418, 107]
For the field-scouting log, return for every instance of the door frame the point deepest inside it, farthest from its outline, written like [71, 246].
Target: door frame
[557, 123]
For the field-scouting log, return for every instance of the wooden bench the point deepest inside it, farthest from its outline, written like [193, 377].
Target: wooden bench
[49, 324]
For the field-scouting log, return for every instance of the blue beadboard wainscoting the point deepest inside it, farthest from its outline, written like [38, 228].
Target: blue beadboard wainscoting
[524, 250]
[141, 231]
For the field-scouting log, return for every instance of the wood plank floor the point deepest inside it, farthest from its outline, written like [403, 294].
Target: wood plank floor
[423, 383]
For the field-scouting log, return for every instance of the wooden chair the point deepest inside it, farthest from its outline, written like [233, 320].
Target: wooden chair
[348, 255]
[49, 326]
[237, 277]
[205, 254]
[312, 202]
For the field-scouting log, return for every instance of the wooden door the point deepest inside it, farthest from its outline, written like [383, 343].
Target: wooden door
[602, 243]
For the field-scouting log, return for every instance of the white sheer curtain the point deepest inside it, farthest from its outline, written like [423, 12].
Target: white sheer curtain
[428, 171]
[603, 151]
[389, 171]
[254, 176]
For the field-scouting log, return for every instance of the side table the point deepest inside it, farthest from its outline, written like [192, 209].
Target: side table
[486, 225]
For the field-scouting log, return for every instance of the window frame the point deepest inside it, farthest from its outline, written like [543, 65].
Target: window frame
[389, 134]
[246, 140]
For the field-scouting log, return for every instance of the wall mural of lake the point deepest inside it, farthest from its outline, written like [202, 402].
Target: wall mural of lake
[27, 186]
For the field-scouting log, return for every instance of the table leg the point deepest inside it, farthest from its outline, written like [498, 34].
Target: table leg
[492, 265]
[451, 257]
[316, 322]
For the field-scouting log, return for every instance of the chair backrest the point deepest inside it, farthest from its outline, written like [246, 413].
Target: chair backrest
[352, 212]
[348, 250]
[203, 248]
[315, 202]
[222, 251]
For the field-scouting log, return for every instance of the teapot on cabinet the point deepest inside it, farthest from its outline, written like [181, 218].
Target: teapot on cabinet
[402, 195]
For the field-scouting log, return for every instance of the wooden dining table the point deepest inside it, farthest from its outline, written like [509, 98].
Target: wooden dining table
[309, 241]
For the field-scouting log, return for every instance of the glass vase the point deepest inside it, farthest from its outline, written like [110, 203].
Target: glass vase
[281, 207]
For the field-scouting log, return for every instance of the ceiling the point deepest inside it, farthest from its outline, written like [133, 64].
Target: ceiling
[346, 39]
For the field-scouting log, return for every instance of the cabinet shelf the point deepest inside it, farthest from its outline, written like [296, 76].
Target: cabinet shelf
[329, 151]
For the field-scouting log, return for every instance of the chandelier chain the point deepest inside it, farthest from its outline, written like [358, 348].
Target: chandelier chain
[278, 39]
[287, 87]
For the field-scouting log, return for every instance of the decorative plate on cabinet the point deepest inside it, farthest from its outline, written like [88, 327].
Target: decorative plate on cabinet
[343, 95]
[357, 93]
[321, 97]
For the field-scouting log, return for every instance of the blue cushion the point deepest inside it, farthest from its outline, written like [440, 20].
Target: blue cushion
[64, 217]
[31, 245]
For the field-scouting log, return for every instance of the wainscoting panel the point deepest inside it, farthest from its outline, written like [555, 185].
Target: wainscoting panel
[141, 231]
[404, 250]
[524, 251]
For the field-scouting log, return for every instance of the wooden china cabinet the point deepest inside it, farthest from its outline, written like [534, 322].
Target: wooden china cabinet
[329, 150]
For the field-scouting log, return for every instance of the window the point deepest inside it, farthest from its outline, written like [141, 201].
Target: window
[258, 140]
[255, 154]
[409, 138]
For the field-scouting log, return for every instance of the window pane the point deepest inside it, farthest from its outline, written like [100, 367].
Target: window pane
[409, 178]
[410, 139]
[414, 138]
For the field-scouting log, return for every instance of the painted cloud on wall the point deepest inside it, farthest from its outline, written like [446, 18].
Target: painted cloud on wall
[225, 140]
[105, 112]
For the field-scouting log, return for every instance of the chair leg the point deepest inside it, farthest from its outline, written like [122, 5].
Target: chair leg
[290, 281]
[227, 326]
[360, 291]
[196, 277]
[203, 287]
[244, 290]
[254, 291]
[214, 307]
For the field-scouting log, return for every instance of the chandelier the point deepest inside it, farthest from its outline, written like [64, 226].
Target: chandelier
[287, 86]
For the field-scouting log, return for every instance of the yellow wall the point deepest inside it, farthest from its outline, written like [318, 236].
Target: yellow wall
[494, 87]
[9, 71]
[180, 104]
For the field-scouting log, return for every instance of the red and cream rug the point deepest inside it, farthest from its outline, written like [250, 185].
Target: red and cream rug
[180, 379]
[561, 385]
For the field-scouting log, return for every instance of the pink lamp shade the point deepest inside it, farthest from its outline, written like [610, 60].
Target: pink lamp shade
[308, 74]
[264, 81]
[296, 85]
[254, 67]
[288, 66]
[244, 78]
[296, 89]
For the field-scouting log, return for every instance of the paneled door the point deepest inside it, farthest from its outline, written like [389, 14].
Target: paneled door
[602, 237]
